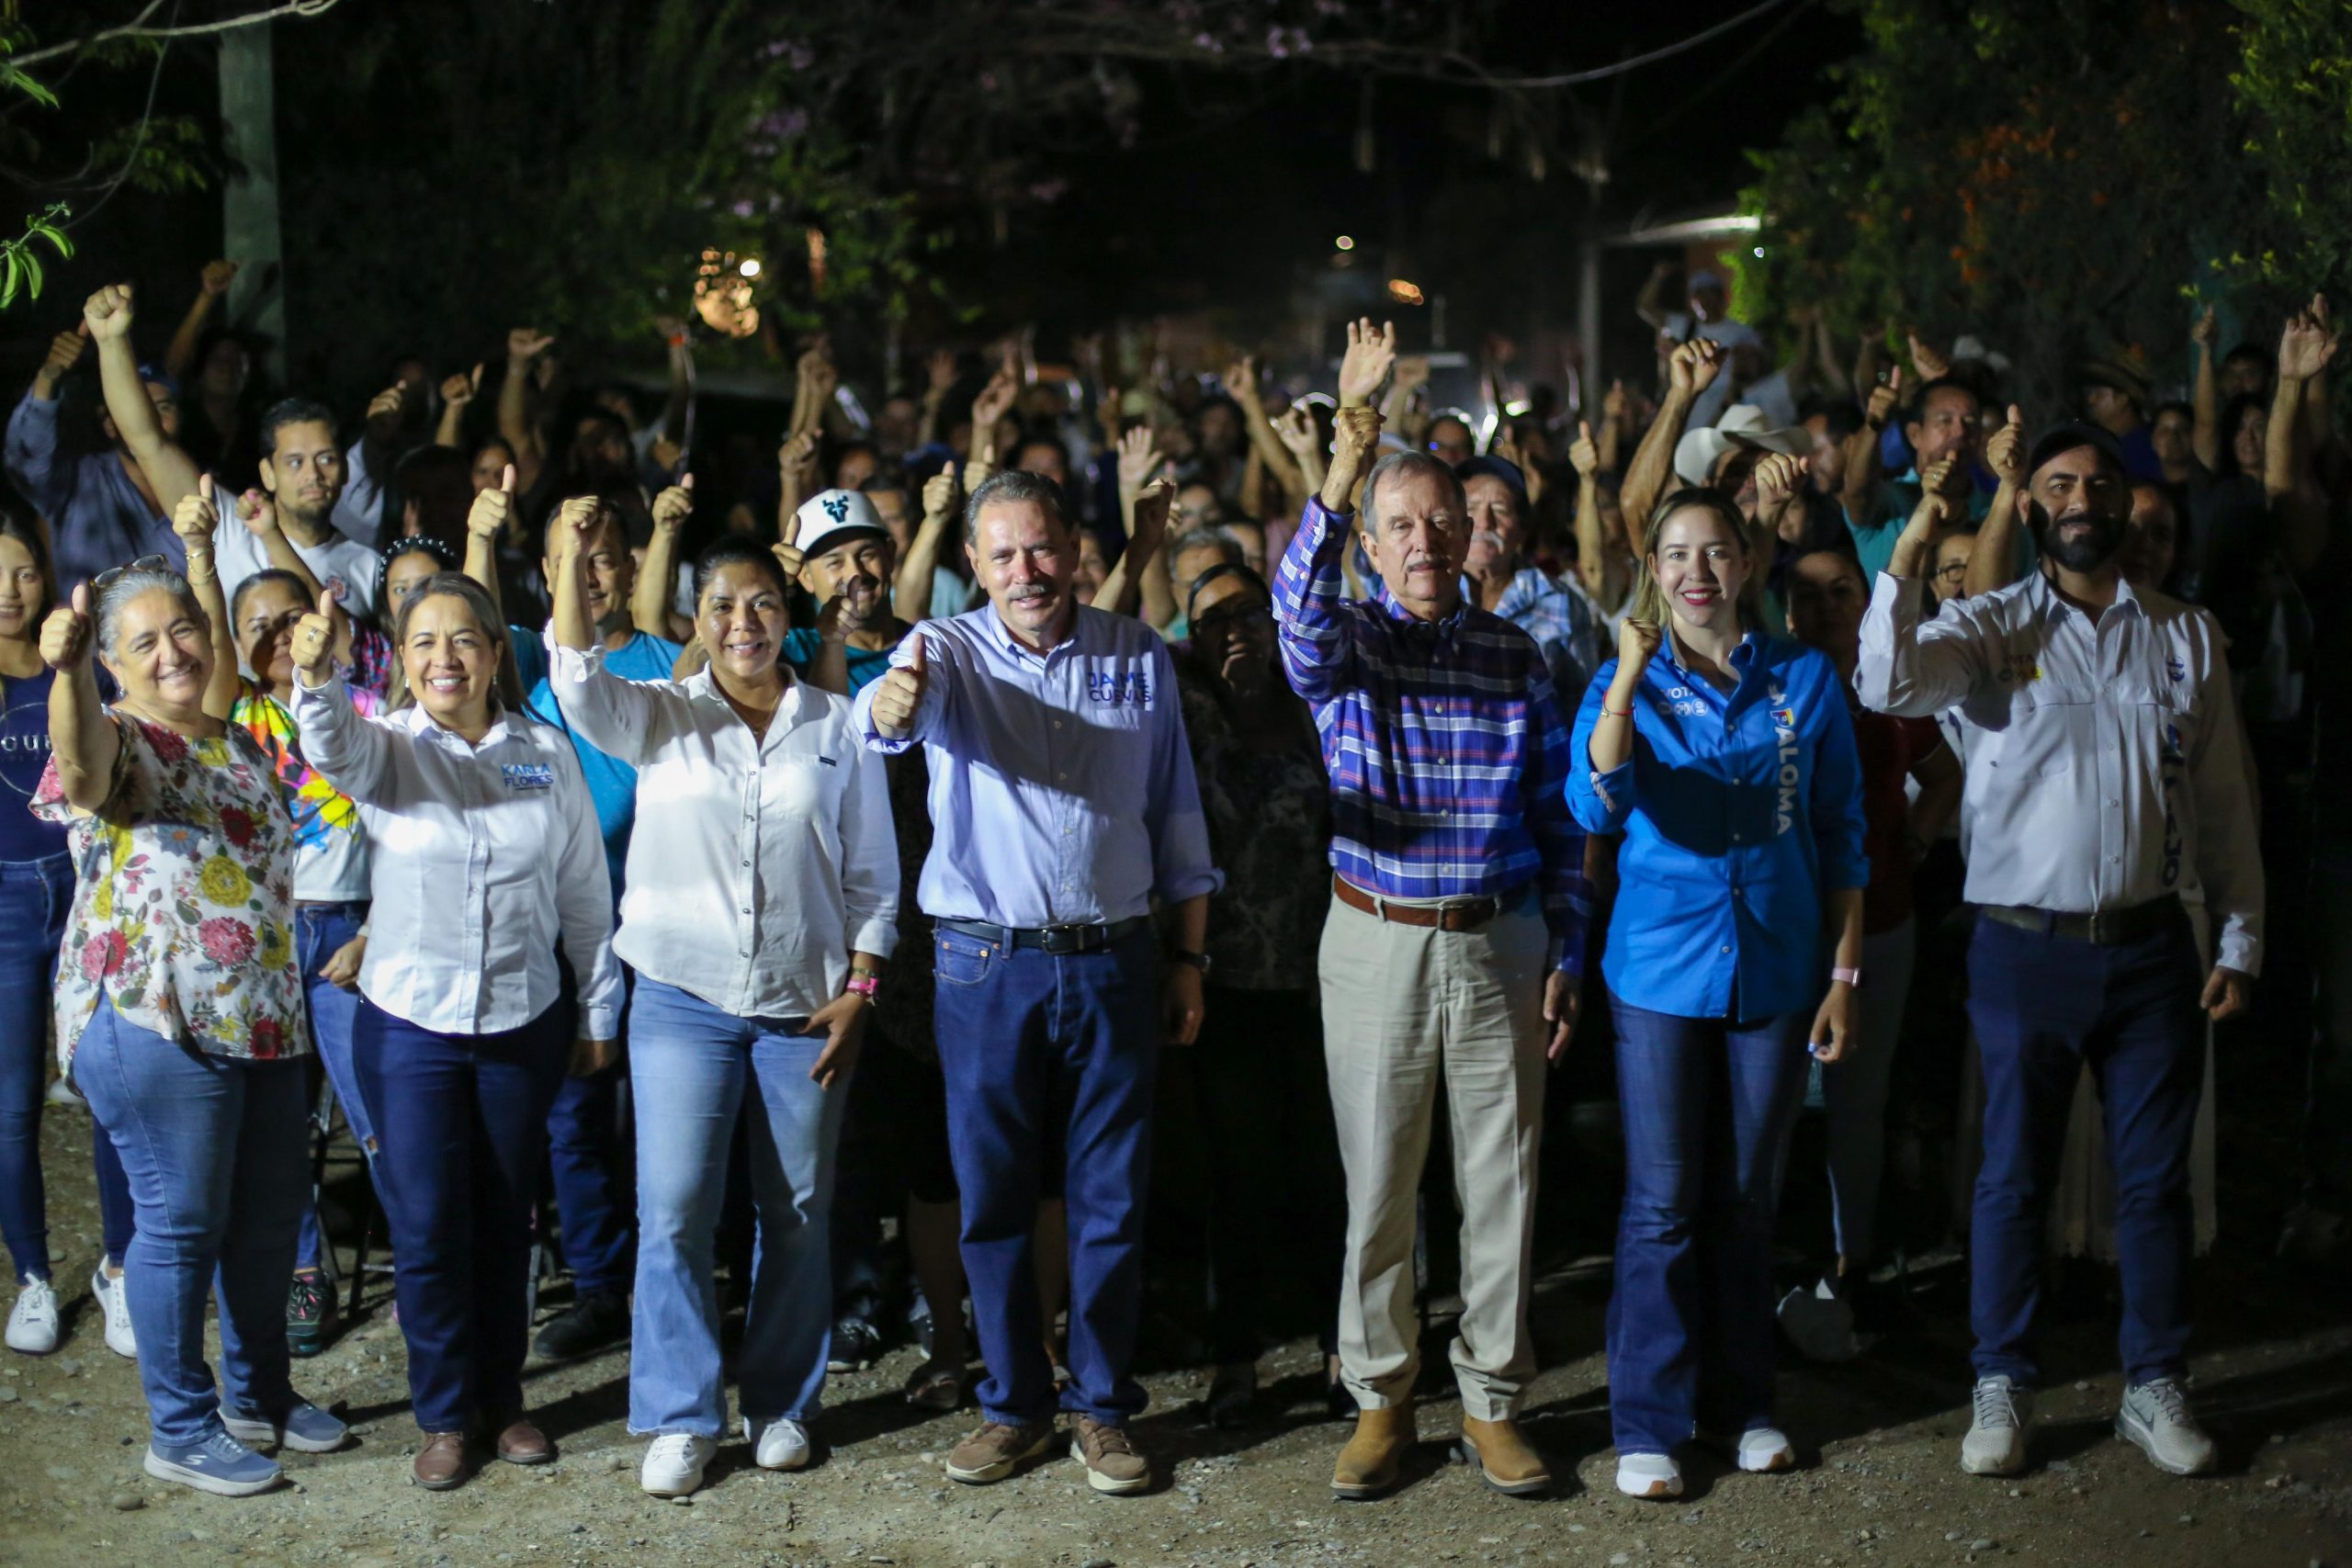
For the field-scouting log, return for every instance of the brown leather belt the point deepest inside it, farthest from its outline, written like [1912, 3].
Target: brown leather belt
[1458, 915]
[2105, 929]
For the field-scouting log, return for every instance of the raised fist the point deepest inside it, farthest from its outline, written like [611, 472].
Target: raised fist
[1637, 643]
[1695, 365]
[65, 634]
[107, 313]
[525, 344]
[216, 277]
[459, 390]
[675, 505]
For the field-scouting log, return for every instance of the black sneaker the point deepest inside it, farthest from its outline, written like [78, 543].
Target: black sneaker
[310, 1314]
[858, 1345]
[593, 1322]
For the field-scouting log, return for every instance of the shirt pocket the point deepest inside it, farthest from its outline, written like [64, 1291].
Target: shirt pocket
[962, 959]
[2045, 725]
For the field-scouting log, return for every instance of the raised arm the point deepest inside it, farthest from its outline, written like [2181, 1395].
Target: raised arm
[942, 371]
[1309, 627]
[518, 424]
[169, 470]
[2305, 350]
[1862, 448]
[649, 603]
[1366, 363]
[1616, 411]
[1592, 544]
[1692, 370]
[83, 742]
[194, 520]
[1125, 592]
[677, 408]
[796, 469]
[2205, 400]
[179, 359]
[1241, 381]
[351, 753]
[1919, 671]
[1650, 303]
[1994, 563]
[458, 394]
[910, 594]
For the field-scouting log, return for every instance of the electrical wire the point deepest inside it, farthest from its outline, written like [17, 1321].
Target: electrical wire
[1633, 62]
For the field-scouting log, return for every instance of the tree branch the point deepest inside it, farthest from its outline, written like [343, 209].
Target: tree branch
[135, 28]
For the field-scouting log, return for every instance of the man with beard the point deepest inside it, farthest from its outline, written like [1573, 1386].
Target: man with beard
[303, 469]
[1063, 802]
[2105, 772]
[586, 1152]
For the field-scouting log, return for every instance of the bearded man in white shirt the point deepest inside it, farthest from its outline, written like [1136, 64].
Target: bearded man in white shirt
[2106, 777]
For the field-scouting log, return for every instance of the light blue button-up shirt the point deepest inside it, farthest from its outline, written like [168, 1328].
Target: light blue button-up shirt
[1061, 786]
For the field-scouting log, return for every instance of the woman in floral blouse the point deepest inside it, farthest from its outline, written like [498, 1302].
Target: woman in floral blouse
[1278, 1211]
[179, 1011]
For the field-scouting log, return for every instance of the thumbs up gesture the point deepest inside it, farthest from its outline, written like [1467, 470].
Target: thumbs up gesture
[493, 509]
[314, 637]
[2005, 453]
[65, 635]
[675, 505]
[195, 518]
[900, 696]
[787, 549]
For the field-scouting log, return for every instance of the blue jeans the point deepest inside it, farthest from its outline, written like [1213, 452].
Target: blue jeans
[320, 930]
[213, 1147]
[693, 1067]
[1042, 1051]
[460, 1129]
[2043, 1006]
[35, 898]
[1707, 1107]
[1854, 1091]
[586, 1158]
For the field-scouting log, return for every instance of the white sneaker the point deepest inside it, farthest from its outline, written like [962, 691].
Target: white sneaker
[115, 1301]
[1650, 1475]
[32, 1321]
[2156, 1415]
[1996, 1440]
[1765, 1450]
[674, 1463]
[780, 1444]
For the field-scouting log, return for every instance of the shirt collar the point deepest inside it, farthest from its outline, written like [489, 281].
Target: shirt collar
[1396, 611]
[2051, 605]
[421, 724]
[1013, 645]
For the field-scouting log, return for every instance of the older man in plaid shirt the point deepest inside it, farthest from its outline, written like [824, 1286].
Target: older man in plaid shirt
[1455, 938]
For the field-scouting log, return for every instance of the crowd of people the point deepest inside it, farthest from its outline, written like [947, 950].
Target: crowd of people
[802, 872]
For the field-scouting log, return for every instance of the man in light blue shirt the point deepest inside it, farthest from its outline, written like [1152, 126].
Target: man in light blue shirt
[1063, 801]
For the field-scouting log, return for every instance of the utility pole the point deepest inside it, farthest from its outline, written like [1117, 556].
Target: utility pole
[249, 231]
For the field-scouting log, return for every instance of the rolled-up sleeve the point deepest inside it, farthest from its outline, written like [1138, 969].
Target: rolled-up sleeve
[1601, 802]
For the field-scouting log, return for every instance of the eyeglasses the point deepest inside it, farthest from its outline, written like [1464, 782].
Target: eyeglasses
[1233, 620]
[1952, 572]
[115, 574]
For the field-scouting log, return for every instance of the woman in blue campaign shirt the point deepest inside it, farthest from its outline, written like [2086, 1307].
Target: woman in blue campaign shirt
[1726, 759]
[36, 892]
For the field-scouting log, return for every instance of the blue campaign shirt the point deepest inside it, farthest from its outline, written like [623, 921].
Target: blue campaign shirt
[1739, 811]
[611, 784]
[1061, 784]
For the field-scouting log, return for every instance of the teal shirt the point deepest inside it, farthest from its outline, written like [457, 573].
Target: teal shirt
[866, 665]
[1892, 507]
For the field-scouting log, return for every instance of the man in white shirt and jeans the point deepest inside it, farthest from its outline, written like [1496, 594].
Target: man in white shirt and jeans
[2104, 777]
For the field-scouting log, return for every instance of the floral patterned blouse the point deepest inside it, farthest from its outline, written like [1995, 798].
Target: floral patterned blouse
[184, 907]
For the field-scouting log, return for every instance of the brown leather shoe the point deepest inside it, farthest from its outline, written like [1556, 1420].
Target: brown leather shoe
[519, 1442]
[996, 1450]
[441, 1462]
[1505, 1458]
[1369, 1465]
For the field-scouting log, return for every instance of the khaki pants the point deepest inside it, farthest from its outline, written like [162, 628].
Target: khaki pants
[1401, 1005]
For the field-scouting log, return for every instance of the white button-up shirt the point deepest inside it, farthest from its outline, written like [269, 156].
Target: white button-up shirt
[757, 865]
[2104, 759]
[482, 855]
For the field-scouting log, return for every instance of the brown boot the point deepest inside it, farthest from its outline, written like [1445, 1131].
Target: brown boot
[1368, 1465]
[441, 1462]
[1504, 1456]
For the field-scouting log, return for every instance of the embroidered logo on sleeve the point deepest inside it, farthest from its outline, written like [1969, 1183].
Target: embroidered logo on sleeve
[527, 775]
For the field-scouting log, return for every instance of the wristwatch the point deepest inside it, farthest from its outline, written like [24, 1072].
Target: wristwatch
[1851, 977]
[1199, 960]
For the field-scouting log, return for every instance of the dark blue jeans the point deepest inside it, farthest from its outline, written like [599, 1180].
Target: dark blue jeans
[596, 1189]
[35, 897]
[1040, 1052]
[320, 931]
[1707, 1107]
[460, 1129]
[213, 1147]
[2044, 1006]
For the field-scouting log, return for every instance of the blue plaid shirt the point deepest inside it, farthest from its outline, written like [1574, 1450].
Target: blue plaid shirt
[1444, 745]
[1563, 626]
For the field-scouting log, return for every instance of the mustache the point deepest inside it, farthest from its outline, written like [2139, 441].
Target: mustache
[1024, 591]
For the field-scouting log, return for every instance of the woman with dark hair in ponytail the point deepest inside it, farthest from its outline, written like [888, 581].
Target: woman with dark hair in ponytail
[1725, 757]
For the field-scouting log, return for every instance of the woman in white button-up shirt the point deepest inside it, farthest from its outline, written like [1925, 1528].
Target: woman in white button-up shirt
[486, 850]
[762, 887]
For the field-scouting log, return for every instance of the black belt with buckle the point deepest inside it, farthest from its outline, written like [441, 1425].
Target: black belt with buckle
[1057, 940]
[2105, 929]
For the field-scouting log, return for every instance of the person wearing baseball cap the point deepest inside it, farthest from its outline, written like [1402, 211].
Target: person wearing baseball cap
[2105, 772]
[847, 559]
[1498, 577]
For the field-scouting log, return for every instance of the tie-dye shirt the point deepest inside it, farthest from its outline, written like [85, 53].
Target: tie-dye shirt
[331, 853]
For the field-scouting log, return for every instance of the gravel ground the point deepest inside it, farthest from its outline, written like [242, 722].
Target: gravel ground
[1880, 1484]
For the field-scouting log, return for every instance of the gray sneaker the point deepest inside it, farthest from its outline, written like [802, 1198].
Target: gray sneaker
[306, 1428]
[2156, 1415]
[1996, 1440]
[220, 1464]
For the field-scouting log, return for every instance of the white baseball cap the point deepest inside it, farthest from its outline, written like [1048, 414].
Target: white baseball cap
[829, 516]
